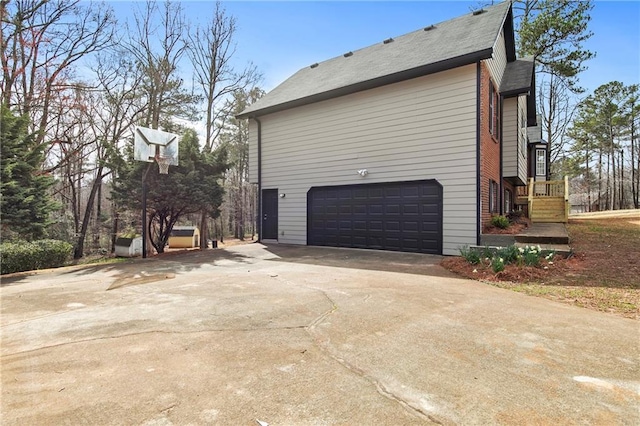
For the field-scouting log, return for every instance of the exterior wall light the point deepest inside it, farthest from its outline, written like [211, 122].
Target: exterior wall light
[282, 195]
[363, 172]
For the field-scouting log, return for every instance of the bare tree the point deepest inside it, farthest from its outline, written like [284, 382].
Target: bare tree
[158, 42]
[111, 114]
[212, 48]
[41, 43]
[557, 107]
[235, 137]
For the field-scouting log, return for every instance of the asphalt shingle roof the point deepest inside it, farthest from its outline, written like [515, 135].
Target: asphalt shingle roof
[517, 77]
[459, 41]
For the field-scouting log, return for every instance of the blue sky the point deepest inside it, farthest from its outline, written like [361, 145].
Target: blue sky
[282, 37]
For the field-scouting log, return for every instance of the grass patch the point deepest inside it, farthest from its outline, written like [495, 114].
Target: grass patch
[101, 260]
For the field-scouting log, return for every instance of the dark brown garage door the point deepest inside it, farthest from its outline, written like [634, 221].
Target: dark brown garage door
[399, 216]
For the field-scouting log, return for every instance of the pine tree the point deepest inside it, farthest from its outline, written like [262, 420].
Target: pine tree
[24, 200]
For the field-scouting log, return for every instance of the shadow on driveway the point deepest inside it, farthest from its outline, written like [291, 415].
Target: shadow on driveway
[164, 264]
[371, 260]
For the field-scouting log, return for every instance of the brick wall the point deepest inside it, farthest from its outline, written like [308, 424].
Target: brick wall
[489, 149]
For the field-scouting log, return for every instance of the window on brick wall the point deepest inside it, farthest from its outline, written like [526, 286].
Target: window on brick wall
[508, 201]
[493, 196]
[492, 108]
[494, 112]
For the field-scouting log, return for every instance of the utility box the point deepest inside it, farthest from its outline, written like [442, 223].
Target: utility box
[129, 247]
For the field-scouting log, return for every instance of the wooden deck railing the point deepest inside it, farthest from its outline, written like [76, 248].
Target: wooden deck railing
[547, 188]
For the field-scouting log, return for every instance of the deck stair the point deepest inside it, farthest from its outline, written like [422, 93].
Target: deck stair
[547, 201]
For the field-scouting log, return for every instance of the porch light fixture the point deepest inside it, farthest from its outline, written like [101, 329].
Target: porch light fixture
[363, 172]
[282, 195]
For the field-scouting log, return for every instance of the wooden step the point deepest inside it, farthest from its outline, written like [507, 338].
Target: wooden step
[548, 209]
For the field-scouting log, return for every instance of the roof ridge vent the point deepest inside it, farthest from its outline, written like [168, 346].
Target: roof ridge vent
[314, 65]
[346, 55]
[478, 12]
[430, 27]
[387, 41]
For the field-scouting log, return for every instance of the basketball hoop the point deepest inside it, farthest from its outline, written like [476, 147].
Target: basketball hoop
[163, 164]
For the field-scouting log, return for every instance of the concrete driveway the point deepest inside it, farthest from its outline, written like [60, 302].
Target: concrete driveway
[304, 336]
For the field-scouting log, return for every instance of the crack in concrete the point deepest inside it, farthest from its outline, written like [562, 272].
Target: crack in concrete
[380, 387]
[140, 333]
[39, 317]
[326, 349]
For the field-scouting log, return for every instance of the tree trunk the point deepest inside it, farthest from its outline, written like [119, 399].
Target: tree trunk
[240, 212]
[614, 185]
[79, 250]
[204, 243]
[588, 182]
[114, 231]
[634, 187]
[599, 178]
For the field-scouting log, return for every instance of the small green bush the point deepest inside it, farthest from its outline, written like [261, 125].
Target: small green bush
[500, 222]
[498, 258]
[530, 255]
[471, 256]
[510, 254]
[497, 264]
[486, 253]
[26, 256]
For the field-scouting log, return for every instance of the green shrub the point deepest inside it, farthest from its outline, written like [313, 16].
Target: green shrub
[470, 255]
[530, 255]
[26, 256]
[500, 222]
[510, 254]
[498, 258]
[486, 253]
[497, 264]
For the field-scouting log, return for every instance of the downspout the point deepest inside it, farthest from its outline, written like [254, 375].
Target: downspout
[500, 185]
[259, 178]
[478, 183]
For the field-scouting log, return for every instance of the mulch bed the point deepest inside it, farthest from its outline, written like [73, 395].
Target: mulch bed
[516, 226]
[603, 274]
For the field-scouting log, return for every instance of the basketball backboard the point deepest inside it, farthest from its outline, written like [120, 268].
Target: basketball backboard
[148, 143]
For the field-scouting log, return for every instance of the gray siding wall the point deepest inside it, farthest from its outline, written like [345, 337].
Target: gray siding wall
[510, 137]
[514, 138]
[253, 151]
[522, 133]
[498, 61]
[423, 128]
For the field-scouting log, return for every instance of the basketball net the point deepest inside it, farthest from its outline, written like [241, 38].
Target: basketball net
[163, 164]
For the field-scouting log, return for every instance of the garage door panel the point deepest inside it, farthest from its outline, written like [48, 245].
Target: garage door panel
[404, 216]
[392, 209]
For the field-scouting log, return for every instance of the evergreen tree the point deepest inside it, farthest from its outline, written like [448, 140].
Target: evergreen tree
[553, 32]
[191, 187]
[24, 200]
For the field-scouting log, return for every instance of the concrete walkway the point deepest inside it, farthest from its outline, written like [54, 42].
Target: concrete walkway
[549, 236]
[304, 336]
